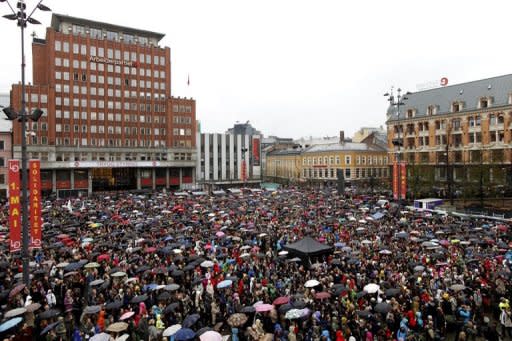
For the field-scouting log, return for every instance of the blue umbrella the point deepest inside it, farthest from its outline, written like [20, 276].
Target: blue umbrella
[184, 334]
[10, 323]
[224, 284]
[149, 287]
[190, 320]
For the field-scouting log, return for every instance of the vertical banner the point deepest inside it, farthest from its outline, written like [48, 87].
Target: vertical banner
[36, 221]
[395, 180]
[255, 151]
[244, 171]
[403, 180]
[13, 178]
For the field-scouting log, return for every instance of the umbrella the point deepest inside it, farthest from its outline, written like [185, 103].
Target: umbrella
[224, 284]
[15, 312]
[371, 288]
[207, 264]
[10, 323]
[322, 295]
[117, 327]
[170, 331]
[203, 330]
[123, 337]
[311, 283]
[16, 290]
[49, 327]
[139, 298]
[164, 296]
[33, 307]
[126, 315]
[248, 309]
[92, 265]
[190, 320]
[392, 292]
[237, 320]
[184, 334]
[281, 300]
[458, 287]
[285, 307]
[210, 335]
[419, 268]
[119, 274]
[62, 265]
[114, 305]
[172, 287]
[49, 314]
[171, 307]
[293, 314]
[96, 282]
[263, 307]
[100, 337]
[93, 309]
[382, 307]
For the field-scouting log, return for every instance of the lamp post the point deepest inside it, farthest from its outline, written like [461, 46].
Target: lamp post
[397, 102]
[22, 116]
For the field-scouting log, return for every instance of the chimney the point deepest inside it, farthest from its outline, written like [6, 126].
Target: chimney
[342, 137]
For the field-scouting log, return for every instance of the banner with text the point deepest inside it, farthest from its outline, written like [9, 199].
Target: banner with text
[255, 151]
[13, 178]
[403, 181]
[395, 180]
[36, 221]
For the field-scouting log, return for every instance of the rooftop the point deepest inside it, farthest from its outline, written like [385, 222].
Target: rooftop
[57, 19]
[497, 88]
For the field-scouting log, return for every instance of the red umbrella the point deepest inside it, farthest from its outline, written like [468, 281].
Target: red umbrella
[281, 300]
[16, 290]
[103, 257]
[62, 236]
[322, 295]
[150, 249]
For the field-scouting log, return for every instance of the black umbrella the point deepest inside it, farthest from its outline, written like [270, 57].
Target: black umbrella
[139, 298]
[203, 330]
[177, 273]
[383, 307]
[190, 320]
[164, 296]
[171, 308]
[73, 266]
[49, 327]
[248, 309]
[285, 307]
[114, 305]
[299, 304]
[392, 292]
[49, 314]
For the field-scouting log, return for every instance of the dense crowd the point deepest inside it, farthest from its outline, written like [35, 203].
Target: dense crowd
[160, 266]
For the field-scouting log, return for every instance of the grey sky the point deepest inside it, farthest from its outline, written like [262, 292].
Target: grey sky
[299, 68]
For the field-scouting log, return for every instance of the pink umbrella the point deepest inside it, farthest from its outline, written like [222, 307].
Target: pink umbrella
[260, 308]
[281, 300]
[444, 242]
[126, 315]
[220, 234]
[322, 295]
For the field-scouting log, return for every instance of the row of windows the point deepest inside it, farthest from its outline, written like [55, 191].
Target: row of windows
[182, 108]
[82, 64]
[110, 53]
[147, 84]
[97, 33]
[335, 160]
[93, 103]
[101, 142]
[330, 173]
[110, 129]
[182, 132]
[182, 120]
[100, 91]
[93, 116]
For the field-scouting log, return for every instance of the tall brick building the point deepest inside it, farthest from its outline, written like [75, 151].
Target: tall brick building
[109, 119]
[459, 135]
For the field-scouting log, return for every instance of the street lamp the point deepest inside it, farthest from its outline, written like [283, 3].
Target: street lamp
[22, 116]
[397, 102]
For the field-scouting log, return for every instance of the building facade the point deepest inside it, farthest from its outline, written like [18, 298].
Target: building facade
[109, 119]
[228, 160]
[5, 146]
[364, 163]
[456, 139]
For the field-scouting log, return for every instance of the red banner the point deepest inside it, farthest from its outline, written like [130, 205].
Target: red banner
[395, 180]
[244, 171]
[13, 178]
[36, 221]
[403, 180]
[256, 151]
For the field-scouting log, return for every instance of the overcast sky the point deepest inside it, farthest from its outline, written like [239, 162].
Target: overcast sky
[299, 68]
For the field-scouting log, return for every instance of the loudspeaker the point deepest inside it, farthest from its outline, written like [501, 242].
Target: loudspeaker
[341, 181]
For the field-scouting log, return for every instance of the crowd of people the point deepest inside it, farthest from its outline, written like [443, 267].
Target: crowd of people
[157, 266]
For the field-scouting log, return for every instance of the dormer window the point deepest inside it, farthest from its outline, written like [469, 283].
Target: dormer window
[484, 103]
[456, 107]
[410, 113]
[431, 110]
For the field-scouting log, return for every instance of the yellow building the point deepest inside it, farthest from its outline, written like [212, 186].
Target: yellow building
[363, 162]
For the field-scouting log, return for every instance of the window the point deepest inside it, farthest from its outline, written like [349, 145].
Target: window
[484, 103]
[455, 107]
[58, 45]
[347, 173]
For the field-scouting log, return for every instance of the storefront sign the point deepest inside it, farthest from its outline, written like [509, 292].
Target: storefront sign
[114, 164]
[104, 60]
[36, 221]
[13, 178]
[255, 151]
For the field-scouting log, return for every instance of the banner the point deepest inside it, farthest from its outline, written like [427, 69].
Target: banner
[244, 171]
[13, 178]
[36, 221]
[255, 151]
[395, 180]
[403, 180]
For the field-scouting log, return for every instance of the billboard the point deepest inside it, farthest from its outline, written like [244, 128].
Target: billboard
[256, 151]
[13, 178]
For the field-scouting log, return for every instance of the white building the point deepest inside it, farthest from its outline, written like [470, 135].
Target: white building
[221, 159]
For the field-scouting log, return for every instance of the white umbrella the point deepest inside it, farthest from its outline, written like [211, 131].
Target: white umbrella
[123, 337]
[171, 330]
[207, 264]
[371, 288]
[210, 335]
[311, 283]
[100, 337]
[283, 253]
